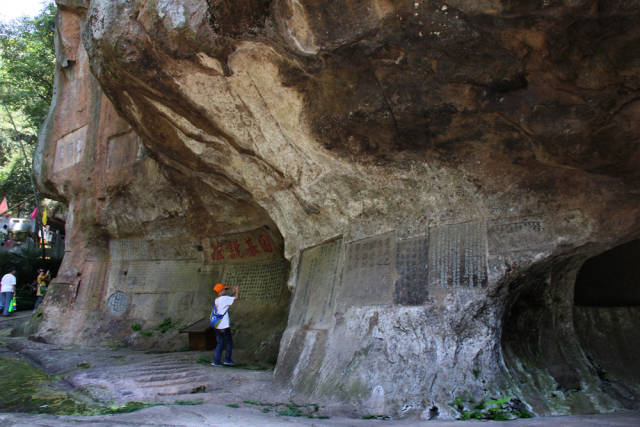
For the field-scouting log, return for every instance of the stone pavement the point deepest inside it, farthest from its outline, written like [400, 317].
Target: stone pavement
[223, 396]
[220, 415]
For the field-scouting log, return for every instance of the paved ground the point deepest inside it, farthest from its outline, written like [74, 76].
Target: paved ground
[219, 415]
[225, 396]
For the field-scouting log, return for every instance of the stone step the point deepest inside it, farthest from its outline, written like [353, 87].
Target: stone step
[196, 380]
[167, 376]
[144, 369]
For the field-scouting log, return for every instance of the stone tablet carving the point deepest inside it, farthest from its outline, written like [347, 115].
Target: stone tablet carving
[253, 246]
[69, 149]
[257, 282]
[168, 275]
[123, 150]
[316, 284]
[515, 236]
[118, 303]
[412, 266]
[458, 255]
[367, 278]
[136, 249]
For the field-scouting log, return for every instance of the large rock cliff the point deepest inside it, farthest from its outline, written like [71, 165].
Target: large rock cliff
[445, 187]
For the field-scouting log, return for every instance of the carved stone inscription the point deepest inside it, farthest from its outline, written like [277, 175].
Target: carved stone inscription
[118, 303]
[123, 150]
[69, 149]
[458, 255]
[160, 276]
[412, 265]
[253, 246]
[515, 236]
[368, 274]
[316, 285]
[257, 282]
[130, 249]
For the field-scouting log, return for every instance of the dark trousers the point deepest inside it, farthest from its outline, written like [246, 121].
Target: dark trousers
[223, 338]
[5, 302]
[38, 301]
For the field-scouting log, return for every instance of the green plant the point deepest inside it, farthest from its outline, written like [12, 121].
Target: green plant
[188, 402]
[126, 408]
[233, 405]
[376, 417]
[146, 333]
[136, 327]
[84, 365]
[501, 409]
[165, 325]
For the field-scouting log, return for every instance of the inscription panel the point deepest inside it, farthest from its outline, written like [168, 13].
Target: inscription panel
[458, 255]
[136, 249]
[315, 288]
[123, 150]
[514, 236]
[253, 246]
[69, 149]
[367, 278]
[169, 278]
[118, 303]
[257, 282]
[412, 265]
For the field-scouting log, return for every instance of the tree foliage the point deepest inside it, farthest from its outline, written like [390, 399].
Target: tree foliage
[27, 61]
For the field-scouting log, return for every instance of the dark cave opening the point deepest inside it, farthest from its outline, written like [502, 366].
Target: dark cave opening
[611, 279]
[571, 331]
[607, 314]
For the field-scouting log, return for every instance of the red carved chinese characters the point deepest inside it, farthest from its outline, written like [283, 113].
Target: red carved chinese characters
[233, 246]
[252, 249]
[265, 243]
[216, 253]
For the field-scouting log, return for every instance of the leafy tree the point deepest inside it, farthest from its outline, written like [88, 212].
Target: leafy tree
[27, 61]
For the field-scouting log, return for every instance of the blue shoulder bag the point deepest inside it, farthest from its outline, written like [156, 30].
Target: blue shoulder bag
[215, 318]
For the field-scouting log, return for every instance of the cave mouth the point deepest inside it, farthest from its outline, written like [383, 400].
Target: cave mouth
[606, 314]
[571, 331]
[611, 279]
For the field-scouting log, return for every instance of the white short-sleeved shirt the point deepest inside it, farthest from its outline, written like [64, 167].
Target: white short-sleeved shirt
[8, 283]
[222, 305]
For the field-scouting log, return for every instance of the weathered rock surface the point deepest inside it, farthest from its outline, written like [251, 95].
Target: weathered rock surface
[429, 177]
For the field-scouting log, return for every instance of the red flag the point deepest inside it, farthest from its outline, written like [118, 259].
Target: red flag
[34, 213]
[3, 206]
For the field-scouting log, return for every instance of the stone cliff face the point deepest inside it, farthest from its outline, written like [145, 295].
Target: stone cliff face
[429, 178]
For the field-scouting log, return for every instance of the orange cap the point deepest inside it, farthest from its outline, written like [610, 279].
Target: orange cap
[218, 287]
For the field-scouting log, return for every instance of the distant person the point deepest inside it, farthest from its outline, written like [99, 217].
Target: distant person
[4, 232]
[41, 286]
[221, 324]
[7, 289]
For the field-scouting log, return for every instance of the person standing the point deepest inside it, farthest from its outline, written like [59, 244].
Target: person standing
[223, 328]
[7, 289]
[41, 286]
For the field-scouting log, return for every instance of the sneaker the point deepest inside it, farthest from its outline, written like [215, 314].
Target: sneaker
[216, 364]
[230, 363]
